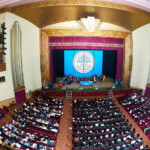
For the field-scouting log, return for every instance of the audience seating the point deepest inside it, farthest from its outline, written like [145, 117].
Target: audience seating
[98, 124]
[35, 126]
[3, 112]
[138, 108]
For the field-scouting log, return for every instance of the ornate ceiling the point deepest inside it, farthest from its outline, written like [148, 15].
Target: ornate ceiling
[44, 13]
[141, 4]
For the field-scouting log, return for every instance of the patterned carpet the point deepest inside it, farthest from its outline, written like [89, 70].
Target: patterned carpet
[64, 140]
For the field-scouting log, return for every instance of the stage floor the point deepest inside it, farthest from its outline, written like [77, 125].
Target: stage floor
[106, 84]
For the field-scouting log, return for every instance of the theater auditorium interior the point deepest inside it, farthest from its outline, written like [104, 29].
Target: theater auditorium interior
[75, 74]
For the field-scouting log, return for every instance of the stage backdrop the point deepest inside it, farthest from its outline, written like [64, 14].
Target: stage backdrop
[97, 43]
[83, 63]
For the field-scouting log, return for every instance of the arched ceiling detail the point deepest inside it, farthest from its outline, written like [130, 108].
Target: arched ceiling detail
[49, 12]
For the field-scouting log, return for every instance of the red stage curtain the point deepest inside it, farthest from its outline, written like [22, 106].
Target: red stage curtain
[88, 43]
[20, 96]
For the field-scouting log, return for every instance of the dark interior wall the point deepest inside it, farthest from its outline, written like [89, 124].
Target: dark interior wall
[110, 63]
[58, 63]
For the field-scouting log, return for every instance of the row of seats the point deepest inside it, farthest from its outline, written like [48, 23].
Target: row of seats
[35, 126]
[138, 107]
[98, 124]
[3, 112]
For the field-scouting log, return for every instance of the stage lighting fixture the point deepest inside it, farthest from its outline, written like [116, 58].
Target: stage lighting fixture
[4, 32]
[4, 48]
[4, 53]
[3, 26]
[3, 37]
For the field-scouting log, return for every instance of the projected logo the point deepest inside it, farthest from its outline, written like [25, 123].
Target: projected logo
[83, 62]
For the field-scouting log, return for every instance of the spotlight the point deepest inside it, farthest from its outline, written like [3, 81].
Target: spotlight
[4, 48]
[3, 37]
[3, 27]
[4, 53]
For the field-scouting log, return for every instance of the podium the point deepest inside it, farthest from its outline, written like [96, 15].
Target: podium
[60, 84]
[20, 94]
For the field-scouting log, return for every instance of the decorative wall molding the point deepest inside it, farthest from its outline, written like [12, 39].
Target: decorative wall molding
[6, 9]
[103, 33]
[127, 63]
[86, 44]
[16, 56]
[44, 57]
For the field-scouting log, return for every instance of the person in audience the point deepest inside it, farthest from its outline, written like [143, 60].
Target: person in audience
[33, 117]
[100, 120]
[138, 107]
[147, 129]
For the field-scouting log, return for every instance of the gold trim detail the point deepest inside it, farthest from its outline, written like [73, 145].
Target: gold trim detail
[99, 3]
[86, 44]
[44, 55]
[2, 67]
[127, 61]
[19, 88]
[6, 9]
[73, 32]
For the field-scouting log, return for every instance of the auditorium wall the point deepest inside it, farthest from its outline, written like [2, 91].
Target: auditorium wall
[31, 56]
[141, 57]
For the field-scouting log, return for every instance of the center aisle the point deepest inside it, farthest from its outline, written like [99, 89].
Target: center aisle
[64, 140]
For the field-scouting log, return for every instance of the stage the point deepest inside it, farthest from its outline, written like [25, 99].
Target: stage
[82, 91]
[101, 85]
[98, 88]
